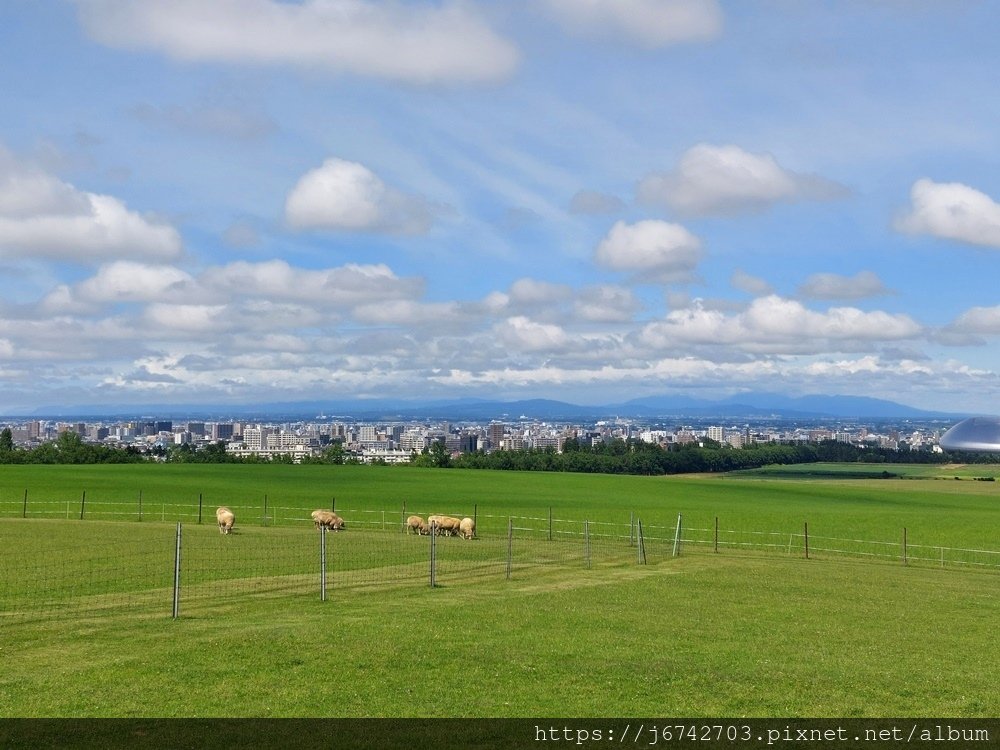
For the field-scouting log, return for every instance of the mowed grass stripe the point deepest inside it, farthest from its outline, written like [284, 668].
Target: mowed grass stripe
[700, 636]
[954, 514]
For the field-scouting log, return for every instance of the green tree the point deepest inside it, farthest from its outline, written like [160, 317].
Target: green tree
[440, 457]
[6, 441]
[334, 453]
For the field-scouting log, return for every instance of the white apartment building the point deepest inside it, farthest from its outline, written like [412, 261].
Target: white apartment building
[255, 438]
[412, 441]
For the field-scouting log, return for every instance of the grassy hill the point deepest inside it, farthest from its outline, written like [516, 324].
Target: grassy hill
[746, 631]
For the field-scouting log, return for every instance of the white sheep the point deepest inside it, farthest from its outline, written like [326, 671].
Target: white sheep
[416, 525]
[467, 528]
[326, 519]
[445, 525]
[226, 519]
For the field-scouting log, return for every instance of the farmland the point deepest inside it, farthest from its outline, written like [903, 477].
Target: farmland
[740, 632]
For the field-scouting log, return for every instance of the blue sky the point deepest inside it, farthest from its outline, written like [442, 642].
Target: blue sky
[590, 200]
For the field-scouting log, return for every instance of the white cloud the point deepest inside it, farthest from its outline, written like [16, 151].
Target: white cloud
[415, 43]
[651, 23]
[835, 286]
[776, 325]
[750, 284]
[26, 191]
[345, 195]
[344, 286]
[125, 281]
[775, 318]
[43, 217]
[723, 180]
[952, 211]
[185, 319]
[523, 334]
[654, 250]
[978, 320]
[606, 304]
[533, 292]
[408, 313]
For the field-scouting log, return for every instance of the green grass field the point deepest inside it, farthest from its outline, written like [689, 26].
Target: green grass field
[745, 632]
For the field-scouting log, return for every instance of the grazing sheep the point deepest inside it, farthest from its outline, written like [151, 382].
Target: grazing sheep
[226, 519]
[446, 525]
[326, 519]
[416, 525]
[467, 528]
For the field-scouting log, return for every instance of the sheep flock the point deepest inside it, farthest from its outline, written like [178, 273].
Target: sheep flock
[439, 525]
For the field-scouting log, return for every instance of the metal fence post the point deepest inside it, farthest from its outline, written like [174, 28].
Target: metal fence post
[322, 564]
[805, 534]
[24, 510]
[586, 541]
[434, 528]
[677, 537]
[641, 545]
[510, 545]
[177, 573]
[83, 503]
[199, 509]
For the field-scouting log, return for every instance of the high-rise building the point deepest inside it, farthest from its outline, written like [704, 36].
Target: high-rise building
[496, 433]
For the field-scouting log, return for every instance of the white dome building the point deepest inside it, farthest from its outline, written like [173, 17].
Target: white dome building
[973, 434]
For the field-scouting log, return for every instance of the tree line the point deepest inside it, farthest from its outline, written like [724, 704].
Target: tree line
[609, 457]
[68, 448]
[637, 457]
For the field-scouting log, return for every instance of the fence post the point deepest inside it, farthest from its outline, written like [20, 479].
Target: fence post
[641, 545]
[199, 509]
[586, 541]
[904, 545]
[677, 537]
[806, 537]
[402, 518]
[263, 519]
[510, 545]
[631, 527]
[322, 564]
[475, 515]
[333, 505]
[433, 552]
[716, 533]
[24, 510]
[177, 573]
[550, 523]
[140, 505]
[83, 502]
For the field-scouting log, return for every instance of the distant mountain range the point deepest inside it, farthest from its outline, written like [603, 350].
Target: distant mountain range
[747, 405]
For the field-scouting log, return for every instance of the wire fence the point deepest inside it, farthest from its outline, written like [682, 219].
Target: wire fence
[175, 562]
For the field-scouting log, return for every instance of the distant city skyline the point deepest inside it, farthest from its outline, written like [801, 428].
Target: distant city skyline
[254, 201]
